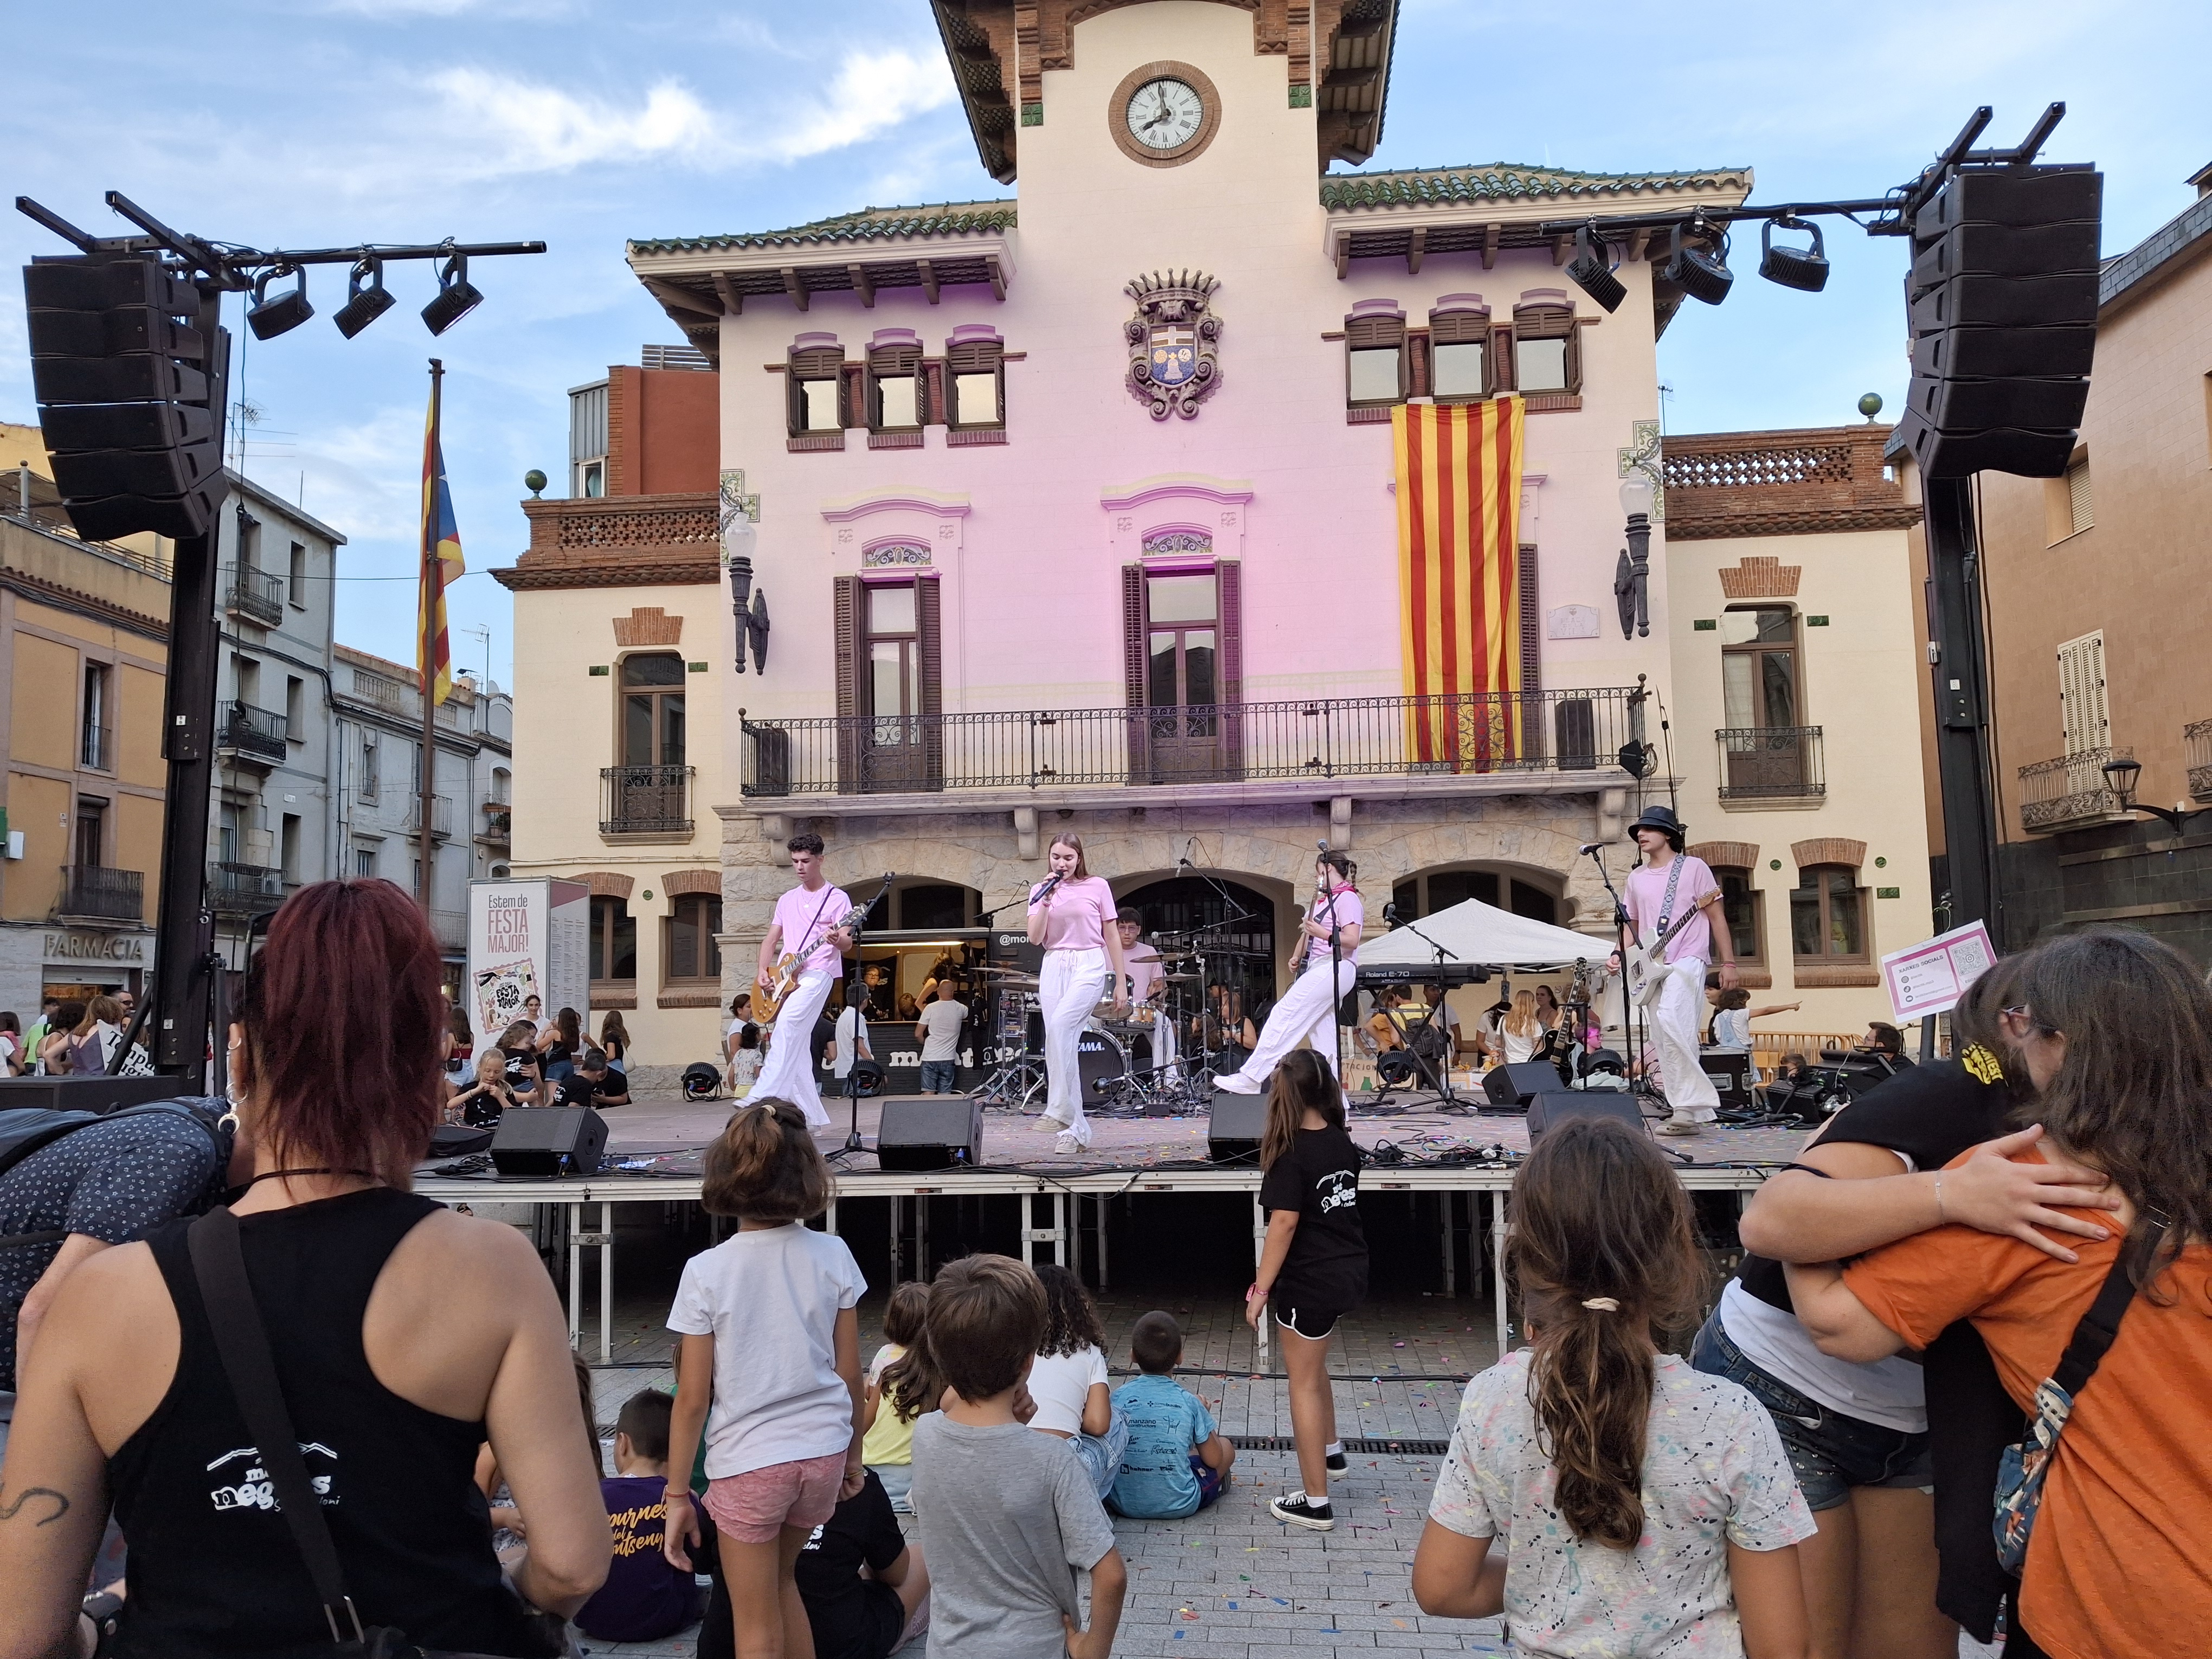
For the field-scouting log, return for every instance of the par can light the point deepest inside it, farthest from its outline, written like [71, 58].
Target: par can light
[268, 318]
[363, 306]
[1702, 275]
[457, 296]
[1805, 269]
[1591, 270]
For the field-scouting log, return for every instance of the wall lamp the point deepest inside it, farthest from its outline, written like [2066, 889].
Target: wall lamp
[749, 608]
[2122, 773]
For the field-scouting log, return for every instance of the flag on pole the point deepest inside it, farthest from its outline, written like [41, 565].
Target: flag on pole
[1459, 521]
[441, 563]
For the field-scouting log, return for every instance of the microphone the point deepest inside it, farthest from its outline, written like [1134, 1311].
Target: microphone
[1390, 915]
[1589, 847]
[1323, 845]
[1045, 891]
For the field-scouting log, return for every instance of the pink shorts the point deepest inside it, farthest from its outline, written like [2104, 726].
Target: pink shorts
[755, 1506]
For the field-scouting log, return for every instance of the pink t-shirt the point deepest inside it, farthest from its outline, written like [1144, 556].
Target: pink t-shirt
[1144, 971]
[1348, 910]
[1647, 891]
[1080, 915]
[807, 918]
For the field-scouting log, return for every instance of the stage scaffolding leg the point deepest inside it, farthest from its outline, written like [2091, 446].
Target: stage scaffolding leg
[1055, 1235]
[1101, 1201]
[1497, 1271]
[575, 1273]
[920, 1236]
[1447, 1204]
[1075, 1239]
[898, 1239]
[606, 1284]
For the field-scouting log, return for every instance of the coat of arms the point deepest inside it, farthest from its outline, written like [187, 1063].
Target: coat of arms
[1173, 362]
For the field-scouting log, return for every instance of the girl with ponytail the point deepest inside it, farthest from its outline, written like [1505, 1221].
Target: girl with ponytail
[1644, 1507]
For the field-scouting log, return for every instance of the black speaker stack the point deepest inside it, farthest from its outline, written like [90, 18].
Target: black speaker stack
[932, 1131]
[541, 1143]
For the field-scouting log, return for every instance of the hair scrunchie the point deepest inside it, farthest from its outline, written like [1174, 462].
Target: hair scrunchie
[1603, 1303]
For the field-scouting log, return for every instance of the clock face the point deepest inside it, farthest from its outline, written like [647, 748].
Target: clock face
[1165, 113]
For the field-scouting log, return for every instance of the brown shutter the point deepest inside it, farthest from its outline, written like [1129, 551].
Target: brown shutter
[929, 630]
[1228, 590]
[1462, 328]
[1502, 374]
[847, 612]
[1533, 707]
[852, 408]
[1418, 379]
[933, 392]
[1134, 662]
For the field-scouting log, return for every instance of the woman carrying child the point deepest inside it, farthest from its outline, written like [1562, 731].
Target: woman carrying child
[1068, 1381]
[1646, 1508]
[769, 1331]
[1314, 1264]
[889, 1446]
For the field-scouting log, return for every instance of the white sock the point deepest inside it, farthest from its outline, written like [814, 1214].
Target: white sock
[1318, 1499]
[1334, 1449]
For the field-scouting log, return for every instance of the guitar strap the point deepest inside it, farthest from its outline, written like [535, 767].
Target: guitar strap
[1667, 906]
[828, 893]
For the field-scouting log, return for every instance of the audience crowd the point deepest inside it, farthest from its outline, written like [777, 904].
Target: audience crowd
[2028, 1219]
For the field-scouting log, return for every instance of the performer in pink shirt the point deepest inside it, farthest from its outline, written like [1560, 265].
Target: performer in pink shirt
[1307, 1011]
[1668, 885]
[810, 921]
[1071, 915]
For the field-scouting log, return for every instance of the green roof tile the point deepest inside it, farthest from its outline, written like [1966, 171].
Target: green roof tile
[930, 219]
[1503, 181]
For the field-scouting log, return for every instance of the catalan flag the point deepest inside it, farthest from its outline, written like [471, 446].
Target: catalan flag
[1458, 520]
[441, 561]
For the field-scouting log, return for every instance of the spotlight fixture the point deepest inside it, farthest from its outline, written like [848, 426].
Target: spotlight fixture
[457, 296]
[268, 318]
[1701, 274]
[1591, 270]
[363, 306]
[1805, 269]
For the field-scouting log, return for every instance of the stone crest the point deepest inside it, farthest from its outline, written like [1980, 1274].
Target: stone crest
[1174, 342]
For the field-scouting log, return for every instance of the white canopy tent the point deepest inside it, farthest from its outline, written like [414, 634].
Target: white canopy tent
[1473, 932]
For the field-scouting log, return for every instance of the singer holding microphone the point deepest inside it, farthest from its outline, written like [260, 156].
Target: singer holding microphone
[1071, 915]
[1308, 1010]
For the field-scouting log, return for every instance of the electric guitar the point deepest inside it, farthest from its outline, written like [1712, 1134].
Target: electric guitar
[774, 988]
[1647, 973]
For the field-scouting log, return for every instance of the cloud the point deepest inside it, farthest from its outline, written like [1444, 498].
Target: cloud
[871, 92]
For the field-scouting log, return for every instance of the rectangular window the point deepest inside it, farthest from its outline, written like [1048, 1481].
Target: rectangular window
[652, 721]
[288, 849]
[2083, 714]
[91, 833]
[296, 717]
[1827, 916]
[1182, 664]
[297, 584]
[894, 673]
[613, 950]
[1546, 351]
[816, 389]
[1741, 904]
[1539, 365]
[692, 953]
[1181, 645]
[977, 369]
[1459, 355]
[369, 766]
[97, 737]
[1759, 666]
[2080, 500]
[895, 388]
[1374, 362]
[230, 832]
[364, 862]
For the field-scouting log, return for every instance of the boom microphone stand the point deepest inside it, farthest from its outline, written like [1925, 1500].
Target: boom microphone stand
[1439, 1078]
[1639, 1083]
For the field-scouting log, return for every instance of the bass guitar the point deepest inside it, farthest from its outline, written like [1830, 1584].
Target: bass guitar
[773, 988]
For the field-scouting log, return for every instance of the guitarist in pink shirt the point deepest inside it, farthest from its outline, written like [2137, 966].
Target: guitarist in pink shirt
[1672, 892]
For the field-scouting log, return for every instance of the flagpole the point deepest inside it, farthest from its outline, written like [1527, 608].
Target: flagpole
[427, 665]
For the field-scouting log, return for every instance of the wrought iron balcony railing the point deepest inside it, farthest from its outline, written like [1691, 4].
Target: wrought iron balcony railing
[442, 815]
[257, 595]
[97, 748]
[244, 889]
[93, 890]
[251, 731]
[1528, 732]
[498, 820]
[2070, 791]
[646, 801]
[1771, 763]
[2196, 754]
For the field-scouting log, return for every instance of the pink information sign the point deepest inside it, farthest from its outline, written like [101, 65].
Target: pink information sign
[1931, 977]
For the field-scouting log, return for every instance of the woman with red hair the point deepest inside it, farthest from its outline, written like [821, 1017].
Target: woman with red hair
[401, 1336]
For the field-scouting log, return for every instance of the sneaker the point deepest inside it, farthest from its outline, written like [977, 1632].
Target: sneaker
[1337, 1463]
[1066, 1141]
[1235, 1083]
[1300, 1510]
[1680, 1126]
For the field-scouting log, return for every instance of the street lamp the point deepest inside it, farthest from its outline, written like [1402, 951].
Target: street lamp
[1632, 574]
[740, 537]
[2121, 775]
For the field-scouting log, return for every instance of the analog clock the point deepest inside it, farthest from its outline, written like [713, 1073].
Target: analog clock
[1165, 113]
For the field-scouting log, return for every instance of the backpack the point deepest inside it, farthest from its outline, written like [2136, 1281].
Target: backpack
[28, 1129]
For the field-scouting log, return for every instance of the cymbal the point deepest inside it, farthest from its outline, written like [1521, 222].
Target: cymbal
[1179, 979]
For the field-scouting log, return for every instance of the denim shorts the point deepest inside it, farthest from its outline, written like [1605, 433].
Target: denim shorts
[1830, 1452]
[937, 1076]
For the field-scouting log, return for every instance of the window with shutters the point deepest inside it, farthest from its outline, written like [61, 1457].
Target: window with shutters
[1828, 917]
[1459, 355]
[1744, 909]
[1183, 658]
[1547, 355]
[976, 372]
[889, 668]
[2069, 504]
[816, 390]
[1374, 362]
[895, 389]
[2083, 712]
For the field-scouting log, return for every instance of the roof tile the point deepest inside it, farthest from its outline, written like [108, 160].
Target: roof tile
[869, 224]
[1501, 181]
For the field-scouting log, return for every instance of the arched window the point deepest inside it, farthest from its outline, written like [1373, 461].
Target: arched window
[1829, 918]
[1425, 893]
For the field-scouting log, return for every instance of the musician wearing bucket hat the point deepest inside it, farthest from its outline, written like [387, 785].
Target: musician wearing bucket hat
[1674, 897]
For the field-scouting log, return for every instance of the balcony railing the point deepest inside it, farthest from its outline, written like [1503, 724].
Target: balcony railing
[2196, 752]
[452, 927]
[499, 820]
[257, 595]
[2070, 791]
[244, 889]
[646, 801]
[1529, 731]
[97, 748]
[96, 890]
[1763, 483]
[442, 815]
[251, 731]
[1771, 763]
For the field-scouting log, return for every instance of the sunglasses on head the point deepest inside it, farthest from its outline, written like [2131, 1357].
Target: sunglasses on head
[2021, 1014]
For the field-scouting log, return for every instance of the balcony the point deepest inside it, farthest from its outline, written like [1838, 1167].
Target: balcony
[452, 927]
[93, 892]
[248, 731]
[256, 596]
[646, 801]
[1780, 483]
[2196, 754]
[644, 539]
[498, 822]
[441, 817]
[1524, 733]
[2070, 793]
[244, 889]
[96, 748]
[1773, 764]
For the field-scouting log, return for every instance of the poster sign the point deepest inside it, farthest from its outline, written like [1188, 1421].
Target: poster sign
[1929, 978]
[526, 939]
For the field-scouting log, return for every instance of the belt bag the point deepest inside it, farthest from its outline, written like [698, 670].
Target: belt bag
[2021, 1469]
[219, 1265]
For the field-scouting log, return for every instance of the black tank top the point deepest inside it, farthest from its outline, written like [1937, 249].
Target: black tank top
[212, 1568]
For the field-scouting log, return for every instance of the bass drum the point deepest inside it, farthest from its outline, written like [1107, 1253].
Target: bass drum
[1100, 1061]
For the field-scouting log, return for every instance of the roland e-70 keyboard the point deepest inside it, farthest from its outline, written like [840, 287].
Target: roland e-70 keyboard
[1449, 975]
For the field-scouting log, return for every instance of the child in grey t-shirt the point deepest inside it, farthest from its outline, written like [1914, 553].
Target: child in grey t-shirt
[1008, 1516]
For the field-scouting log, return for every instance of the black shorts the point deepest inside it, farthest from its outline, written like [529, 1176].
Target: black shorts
[1305, 1316]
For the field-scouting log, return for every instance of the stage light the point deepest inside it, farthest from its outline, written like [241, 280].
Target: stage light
[1701, 275]
[457, 296]
[268, 318]
[1805, 269]
[363, 306]
[1591, 270]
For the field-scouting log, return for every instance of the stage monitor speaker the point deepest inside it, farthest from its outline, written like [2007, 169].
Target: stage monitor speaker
[934, 1132]
[1237, 1123]
[541, 1142]
[1733, 1076]
[86, 1094]
[1555, 1106]
[1512, 1087]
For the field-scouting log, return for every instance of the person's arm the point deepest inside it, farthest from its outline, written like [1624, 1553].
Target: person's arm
[75, 1248]
[1717, 924]
[695, 1382]
[771, 946]
[1097, 1410]
[1120, 969]
[620, 1098]
[1799, 1216]
[1456, 1576]
[1282, 1226]
[860, 1047]
[1770, 1602]
[1109, 1582]
[1838, 1322]
[848, 1367]
[1040, 914]
[1777, 1008]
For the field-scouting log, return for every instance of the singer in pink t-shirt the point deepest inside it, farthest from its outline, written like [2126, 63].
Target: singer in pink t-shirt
[1071, 915]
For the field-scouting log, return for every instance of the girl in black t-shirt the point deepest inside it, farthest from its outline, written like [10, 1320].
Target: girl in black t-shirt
[1314, 1265]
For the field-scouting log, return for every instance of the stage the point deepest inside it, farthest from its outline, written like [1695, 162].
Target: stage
[653, 1150]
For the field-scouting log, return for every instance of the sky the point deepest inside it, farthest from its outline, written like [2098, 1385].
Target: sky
[320, 123]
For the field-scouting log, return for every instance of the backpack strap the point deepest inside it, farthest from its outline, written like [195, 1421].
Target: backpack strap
[2093, 1336]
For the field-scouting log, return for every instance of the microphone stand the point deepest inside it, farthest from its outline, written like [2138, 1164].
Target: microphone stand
[1447, 1100]
[1639, 1083]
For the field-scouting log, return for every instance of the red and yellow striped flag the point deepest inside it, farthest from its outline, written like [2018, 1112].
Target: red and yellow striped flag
[1459, 521]
[441, 564]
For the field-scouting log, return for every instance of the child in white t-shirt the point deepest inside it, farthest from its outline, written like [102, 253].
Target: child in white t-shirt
[769, 1331]
[1068, 1381]
[1644, 1507]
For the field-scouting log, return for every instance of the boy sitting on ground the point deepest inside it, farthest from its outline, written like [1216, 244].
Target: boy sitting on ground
[1178, 1461]
[594, 1083]
[1008, 1516]
[866, 1593]
[644, 1599]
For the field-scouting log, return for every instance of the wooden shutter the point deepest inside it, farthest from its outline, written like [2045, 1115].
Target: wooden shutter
[1552, 323]
[2080, 499]
[1462, 328]
[1532, 654]
[1229, 600]
[930, 640]
[852, 399]
[1371, 334]
[975, 357]
[1134, 662]
[847, 622]
[810, 364]
[1419, 382]
[934, 406]
[2082, 694]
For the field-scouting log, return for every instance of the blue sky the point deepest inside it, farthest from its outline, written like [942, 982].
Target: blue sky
[581, 123]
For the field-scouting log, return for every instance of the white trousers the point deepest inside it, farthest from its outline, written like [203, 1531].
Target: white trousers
[1670, 1025]
[1162, 1032]
[1306, 1013]
[788, 1073]
[1069, 987]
